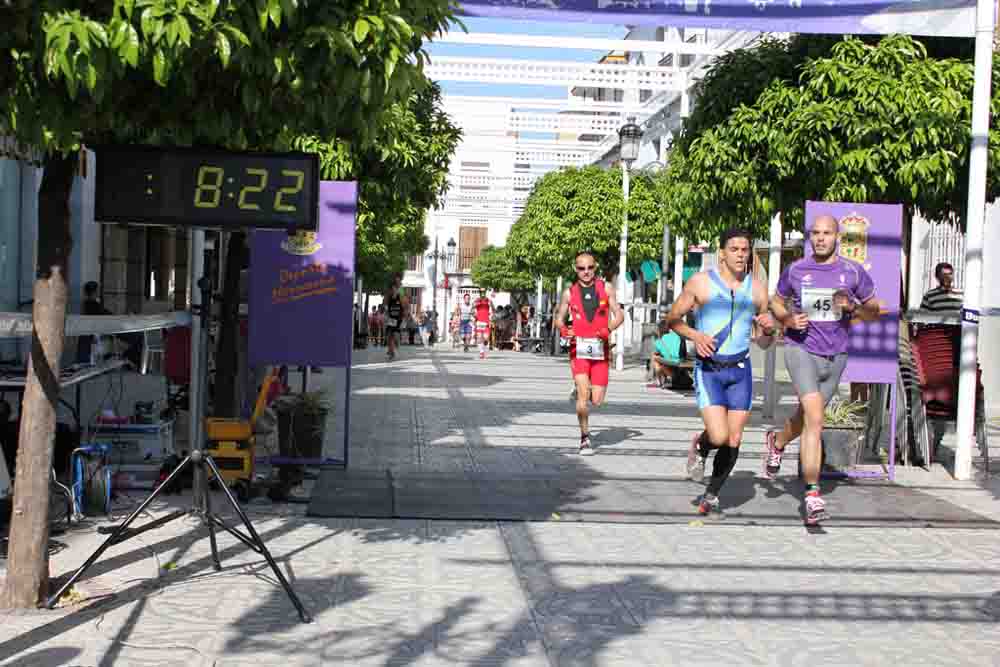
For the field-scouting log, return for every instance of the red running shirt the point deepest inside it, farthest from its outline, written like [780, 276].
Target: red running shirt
[482, 310]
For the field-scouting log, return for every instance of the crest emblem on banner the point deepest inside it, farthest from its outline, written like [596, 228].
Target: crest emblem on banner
[854, 237]
[302, 243]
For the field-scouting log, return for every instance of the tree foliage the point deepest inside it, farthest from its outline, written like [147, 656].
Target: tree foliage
[581, 209]
[495, 269]
[877, 122]
[225, 73]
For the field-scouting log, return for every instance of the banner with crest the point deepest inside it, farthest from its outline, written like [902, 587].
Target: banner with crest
[302, 287]
[872, 236]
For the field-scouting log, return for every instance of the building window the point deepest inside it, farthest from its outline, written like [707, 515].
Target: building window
[470, 243]
[415, 263]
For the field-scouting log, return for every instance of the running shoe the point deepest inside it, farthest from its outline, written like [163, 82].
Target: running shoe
[695, 462]
[815, 510]
[586, 448]
[482, 355]
[708, 505]
[772, 455]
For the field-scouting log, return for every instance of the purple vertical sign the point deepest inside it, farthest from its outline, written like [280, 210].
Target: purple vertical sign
[302, 287]
[871, 235]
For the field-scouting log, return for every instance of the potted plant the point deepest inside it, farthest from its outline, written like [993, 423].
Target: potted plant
[843, 433]
[302, 424]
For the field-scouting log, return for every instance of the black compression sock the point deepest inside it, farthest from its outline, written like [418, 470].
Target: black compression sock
[722, 466]
[704, 445]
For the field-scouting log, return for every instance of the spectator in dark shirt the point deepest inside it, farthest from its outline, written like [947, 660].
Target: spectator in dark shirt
[944, 298]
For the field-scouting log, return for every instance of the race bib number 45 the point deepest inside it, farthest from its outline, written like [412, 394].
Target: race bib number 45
[817, 303]
[590, 348]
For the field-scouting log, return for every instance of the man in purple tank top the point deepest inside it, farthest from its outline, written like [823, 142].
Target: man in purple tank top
[817, 299]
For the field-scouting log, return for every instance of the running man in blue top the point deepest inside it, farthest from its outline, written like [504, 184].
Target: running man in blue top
[729, 305]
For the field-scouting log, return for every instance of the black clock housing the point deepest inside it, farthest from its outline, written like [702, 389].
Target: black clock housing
[199, 187]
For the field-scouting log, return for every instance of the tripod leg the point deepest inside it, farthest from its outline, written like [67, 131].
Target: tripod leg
[207, 518]
[303, 614]
[122, 530]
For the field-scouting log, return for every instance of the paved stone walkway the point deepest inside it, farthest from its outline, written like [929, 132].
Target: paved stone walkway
[391, 592]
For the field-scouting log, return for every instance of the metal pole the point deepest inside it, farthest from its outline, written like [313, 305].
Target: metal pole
[771, 356]
[622, 262]
[434, 279]
[196, 268]
[537, 324]
[678, 266]
[966, 426]
[661, 290]
[446, 315]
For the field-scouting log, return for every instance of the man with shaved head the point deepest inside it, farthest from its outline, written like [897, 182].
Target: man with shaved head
[816, 300]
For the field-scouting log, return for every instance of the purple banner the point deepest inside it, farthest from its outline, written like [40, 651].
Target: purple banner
[942, 18]
[302, 286]
[870, 234]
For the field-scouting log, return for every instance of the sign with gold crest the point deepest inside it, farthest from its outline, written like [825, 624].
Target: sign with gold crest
[871, 235]
[854, 238]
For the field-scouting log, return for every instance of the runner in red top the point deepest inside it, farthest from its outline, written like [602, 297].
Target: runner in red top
[596, 313]
[484, 309]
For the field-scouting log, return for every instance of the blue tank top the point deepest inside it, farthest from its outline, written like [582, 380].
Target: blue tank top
[727, 317]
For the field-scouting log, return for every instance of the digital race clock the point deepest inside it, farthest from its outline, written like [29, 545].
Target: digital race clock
[193, 187]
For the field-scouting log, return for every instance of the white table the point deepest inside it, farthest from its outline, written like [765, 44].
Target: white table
[17, 383]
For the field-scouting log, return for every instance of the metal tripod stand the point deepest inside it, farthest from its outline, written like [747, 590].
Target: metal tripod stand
[202, 506]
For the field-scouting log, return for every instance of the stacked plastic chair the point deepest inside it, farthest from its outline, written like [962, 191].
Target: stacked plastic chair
[935, 356]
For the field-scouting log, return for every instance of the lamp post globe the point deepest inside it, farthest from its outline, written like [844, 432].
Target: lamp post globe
[629, 137]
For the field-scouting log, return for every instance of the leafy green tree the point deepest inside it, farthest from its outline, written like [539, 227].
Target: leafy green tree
[228, 73]
[495, 269]
[738, 77]
[581, 209]
[868, 123]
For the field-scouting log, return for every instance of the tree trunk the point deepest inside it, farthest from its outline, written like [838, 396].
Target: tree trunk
[28, 564]
[227, 354]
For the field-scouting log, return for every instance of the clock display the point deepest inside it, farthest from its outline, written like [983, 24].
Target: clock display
[206, 188]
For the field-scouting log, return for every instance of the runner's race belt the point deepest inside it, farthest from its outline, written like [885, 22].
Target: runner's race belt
[715, 364]
[589, 348]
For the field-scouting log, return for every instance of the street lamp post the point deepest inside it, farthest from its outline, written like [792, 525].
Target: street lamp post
[629, 137]
[448, 264]
[435, 257]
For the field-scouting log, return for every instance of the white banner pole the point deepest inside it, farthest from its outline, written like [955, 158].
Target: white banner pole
[966, 427]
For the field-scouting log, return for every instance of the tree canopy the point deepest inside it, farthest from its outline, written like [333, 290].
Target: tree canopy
[572, 209]
[496, 269]
[881, 122]
[218, 72]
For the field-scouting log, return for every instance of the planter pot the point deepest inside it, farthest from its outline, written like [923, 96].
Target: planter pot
[841, 449]
[301, 432]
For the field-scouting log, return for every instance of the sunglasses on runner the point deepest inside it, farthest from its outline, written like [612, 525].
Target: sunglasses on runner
[586, 268]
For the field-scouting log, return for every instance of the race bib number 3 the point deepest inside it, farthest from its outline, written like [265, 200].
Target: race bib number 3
[817, 303]
[590, 348]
